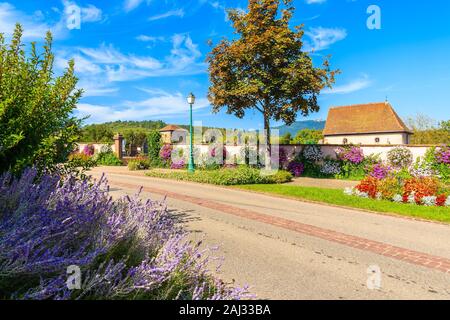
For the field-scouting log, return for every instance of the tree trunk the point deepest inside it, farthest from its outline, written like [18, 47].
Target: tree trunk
[267, 142]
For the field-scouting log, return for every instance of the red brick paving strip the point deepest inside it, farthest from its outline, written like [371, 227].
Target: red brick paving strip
[406, 255]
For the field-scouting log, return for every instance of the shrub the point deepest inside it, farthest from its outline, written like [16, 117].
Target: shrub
[154, 144]
[400, 157]
[312, 153]
[138, 164]
[389, 188]
[296, 168]
[238, 176]
[381, 171]
[37, 126]
[180, 164]
[351, 154]
[331, 168]
[89, 150]
[443, 155]
[125, 249]
[166, 152]
[108, 159]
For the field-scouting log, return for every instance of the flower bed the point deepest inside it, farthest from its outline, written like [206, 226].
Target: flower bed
[124, 249]
[419, 191]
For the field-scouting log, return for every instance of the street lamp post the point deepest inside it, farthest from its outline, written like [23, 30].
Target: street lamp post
[191, 166]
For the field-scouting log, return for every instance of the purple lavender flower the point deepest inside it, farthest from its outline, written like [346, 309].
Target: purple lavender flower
[125, 249]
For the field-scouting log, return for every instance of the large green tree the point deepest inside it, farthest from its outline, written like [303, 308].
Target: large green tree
[265, 67]
[36, 122]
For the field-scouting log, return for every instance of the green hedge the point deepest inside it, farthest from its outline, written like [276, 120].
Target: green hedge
[238, 176]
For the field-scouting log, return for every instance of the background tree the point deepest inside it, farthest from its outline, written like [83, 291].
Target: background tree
[134, 138]
[286, 138]
[36, 122]
[264, 68]
[426, 131]
[308, 136]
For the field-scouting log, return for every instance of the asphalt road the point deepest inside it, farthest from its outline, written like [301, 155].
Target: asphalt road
[279, 262]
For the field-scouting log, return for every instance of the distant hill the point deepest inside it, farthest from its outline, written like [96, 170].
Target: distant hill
[300, 125]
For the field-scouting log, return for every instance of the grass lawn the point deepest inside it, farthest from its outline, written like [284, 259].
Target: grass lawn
[337, 197]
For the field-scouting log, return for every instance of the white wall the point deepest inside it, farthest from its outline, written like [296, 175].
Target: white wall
[292, 150]
[385, 138]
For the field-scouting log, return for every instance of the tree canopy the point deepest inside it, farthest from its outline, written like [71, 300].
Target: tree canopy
[265, 67]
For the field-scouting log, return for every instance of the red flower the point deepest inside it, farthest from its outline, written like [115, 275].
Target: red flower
[369, 185]
[440, 201]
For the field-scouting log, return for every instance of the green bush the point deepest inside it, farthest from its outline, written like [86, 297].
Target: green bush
[239, 176]
[108, 159]
[154, 144]
[138, 164]
[37, 127]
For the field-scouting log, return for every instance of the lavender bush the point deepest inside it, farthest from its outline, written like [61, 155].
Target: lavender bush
[126, 249]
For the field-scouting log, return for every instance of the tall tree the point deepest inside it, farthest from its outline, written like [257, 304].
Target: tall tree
[264, 68]
[37, 126]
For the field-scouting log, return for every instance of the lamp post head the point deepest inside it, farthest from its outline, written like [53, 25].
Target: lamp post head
[191, 98]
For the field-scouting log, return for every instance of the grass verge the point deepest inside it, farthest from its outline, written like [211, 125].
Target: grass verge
[225, 177]
[337, 197]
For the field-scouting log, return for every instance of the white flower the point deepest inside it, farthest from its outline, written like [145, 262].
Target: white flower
[379, 196]
[412, 198]
[429, 201]
[397, 198]
[447, 203]
[331, 168]
[349, 191]
[361, 194]
[313, 153]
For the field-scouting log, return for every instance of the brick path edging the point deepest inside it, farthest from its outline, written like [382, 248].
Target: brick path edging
[414, 257]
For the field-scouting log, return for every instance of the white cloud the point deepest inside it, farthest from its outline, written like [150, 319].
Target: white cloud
[159, 104]
[99, 68]
[322, 38]
[130, 5]
[145, 38]
[168, 14]
[91, 14]
[315, 1]
[353, 86]
[34, 27]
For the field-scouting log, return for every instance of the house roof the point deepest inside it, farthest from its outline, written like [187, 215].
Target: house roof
[171, 128]
[364, 118]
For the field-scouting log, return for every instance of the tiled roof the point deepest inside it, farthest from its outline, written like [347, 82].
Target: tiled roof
[364, 118]
[171, 128]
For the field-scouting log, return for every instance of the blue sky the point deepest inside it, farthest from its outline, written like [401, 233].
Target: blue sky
[138, 59]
